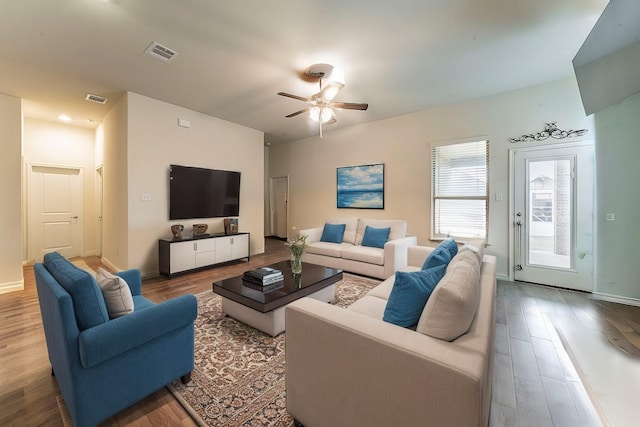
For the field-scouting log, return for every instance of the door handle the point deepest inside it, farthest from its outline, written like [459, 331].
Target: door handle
[518, 266]
[74, 217]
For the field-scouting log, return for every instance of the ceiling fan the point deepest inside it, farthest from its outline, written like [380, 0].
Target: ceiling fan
[321, 104]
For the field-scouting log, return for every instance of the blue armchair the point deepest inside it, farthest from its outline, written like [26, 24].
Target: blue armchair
[103, 366]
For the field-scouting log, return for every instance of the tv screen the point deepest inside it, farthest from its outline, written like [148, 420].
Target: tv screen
[203, 193]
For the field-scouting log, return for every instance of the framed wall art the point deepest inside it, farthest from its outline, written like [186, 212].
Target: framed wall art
[361, 187]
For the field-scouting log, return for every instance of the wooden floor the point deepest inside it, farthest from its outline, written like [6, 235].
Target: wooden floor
[534, 380]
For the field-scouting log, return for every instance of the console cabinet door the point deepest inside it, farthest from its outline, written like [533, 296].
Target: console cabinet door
[182, 256]
[223, 249]
[240, 246]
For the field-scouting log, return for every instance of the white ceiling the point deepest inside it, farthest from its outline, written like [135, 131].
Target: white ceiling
[234, 56]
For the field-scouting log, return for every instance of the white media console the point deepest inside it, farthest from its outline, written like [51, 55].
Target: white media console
[193, 253]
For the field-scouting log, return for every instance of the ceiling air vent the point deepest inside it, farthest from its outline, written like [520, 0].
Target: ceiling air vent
[160, 52]
[96, 98]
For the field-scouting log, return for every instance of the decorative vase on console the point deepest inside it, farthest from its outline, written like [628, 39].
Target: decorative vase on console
[297, 246]
[199, 229]
[177, 230]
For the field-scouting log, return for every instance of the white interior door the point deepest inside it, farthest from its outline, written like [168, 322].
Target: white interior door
[279, 198]
[553, 215]
[55, 211]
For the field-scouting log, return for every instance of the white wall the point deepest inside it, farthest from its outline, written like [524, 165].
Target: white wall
[11, 194]
[618, 176]
[402, 144]
[58, 144]
[154, 141]
[115, 240]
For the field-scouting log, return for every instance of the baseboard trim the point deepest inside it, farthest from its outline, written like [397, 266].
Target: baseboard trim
[617, 299]
[109, 264]
[5, 288]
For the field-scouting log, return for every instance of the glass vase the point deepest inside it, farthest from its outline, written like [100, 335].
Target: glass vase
[296, 263]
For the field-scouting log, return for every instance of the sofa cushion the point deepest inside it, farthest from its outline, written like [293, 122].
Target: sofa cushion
[364, 254]
[88, 303]
[328, 249]
[375, 237]
[332, 233]
[398, 228]
[410, 294]
[370, 306]
[476, 246]
[451, 308]
[116, 293]
[383, 290]
[442, 254]
[350, 229]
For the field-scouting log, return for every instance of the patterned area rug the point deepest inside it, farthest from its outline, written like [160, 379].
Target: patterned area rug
[239, 375]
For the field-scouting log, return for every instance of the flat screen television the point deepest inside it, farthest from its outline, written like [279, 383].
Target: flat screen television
[203, 193]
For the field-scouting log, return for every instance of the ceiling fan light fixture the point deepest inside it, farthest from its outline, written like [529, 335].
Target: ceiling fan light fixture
[321, 114]
[314, 114]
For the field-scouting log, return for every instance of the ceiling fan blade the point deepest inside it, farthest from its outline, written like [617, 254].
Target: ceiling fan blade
[304, 110]
[349, 106]
[299, 98]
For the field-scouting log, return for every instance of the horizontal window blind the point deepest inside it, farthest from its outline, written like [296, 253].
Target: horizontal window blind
[460, 189]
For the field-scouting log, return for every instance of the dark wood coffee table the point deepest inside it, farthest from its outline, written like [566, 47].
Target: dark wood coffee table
[265, 310]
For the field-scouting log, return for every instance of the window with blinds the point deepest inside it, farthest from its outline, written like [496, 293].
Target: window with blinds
[460, 190]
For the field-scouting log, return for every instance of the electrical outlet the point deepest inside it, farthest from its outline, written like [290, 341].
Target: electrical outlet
[146, 197]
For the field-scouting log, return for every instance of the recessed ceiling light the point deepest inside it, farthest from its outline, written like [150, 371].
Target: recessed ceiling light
[64, 118]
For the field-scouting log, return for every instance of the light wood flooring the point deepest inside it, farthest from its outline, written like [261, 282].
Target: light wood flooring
[534, 380]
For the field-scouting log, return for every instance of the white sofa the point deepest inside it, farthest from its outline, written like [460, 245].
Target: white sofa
[350, 255]
[348, 367]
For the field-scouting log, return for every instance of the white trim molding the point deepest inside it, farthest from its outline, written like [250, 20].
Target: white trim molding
[616, 299]
[11, 287]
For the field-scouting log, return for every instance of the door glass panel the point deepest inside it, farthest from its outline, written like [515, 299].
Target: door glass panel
[549, 230]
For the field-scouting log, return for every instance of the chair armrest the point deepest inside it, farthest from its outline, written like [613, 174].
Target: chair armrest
[395, 253]
[314, 234]
[375, 365]
[133, 279]
[120, 335]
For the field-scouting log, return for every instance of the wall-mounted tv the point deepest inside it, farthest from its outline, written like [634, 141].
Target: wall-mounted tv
[203, 193]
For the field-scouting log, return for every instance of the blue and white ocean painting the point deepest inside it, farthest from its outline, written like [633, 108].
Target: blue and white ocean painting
[361, 187]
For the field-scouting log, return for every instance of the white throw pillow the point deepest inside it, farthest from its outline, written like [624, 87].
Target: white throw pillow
[116, 293]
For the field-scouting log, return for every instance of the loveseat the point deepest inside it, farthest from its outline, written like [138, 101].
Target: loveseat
[104, 365]
[377, 257]
[348, 367]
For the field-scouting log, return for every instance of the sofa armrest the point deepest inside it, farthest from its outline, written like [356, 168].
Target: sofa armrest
[385, 374]
[133, 279]
[395, 254]
[314, 234]
[120, 335]
[417, 255]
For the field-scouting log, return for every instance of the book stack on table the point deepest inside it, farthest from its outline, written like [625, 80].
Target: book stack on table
[263, 279]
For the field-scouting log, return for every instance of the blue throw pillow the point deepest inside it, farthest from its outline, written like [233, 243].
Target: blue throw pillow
[441, 255]
[375, 237]
[332, 233]
[88, 302]
[451, 246]
[409, 295]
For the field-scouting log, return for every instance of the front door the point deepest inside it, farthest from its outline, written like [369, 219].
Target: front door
[553, 215]
[55, 211]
